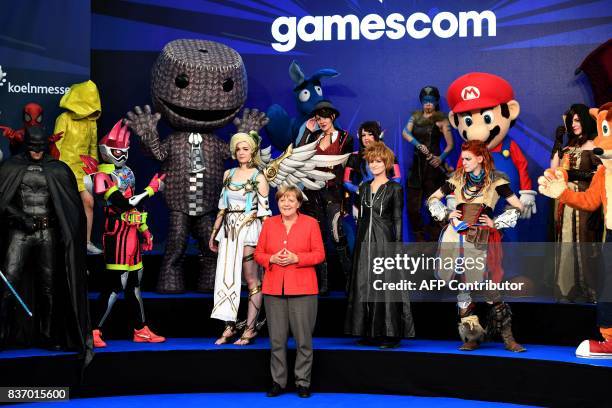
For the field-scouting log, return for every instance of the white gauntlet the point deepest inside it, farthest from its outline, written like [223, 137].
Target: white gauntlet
[528, 199]
[451, 202]
[507, 219]
[437, 210]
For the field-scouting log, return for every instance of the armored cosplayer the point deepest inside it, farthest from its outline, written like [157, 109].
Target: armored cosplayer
[115, 184]
[197, 86]
[42, 217]
[473, 233]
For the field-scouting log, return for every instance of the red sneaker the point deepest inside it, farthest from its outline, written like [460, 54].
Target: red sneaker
[145, 335]
[594, 349]
[97, 339]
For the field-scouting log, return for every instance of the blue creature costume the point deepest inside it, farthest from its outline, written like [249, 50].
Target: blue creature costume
[283, 130]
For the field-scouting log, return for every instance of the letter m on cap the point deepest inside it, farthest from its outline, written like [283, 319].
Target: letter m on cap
[470, 92]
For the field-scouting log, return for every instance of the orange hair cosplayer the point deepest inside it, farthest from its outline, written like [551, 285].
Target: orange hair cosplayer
[378, 150]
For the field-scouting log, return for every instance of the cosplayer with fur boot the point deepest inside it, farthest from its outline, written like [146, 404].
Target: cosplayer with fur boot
[42, 218]
[473, 233]
[424, 130]
[197, 87]
[114, 182]
[483, 108]
[326, 205]
[554, 184]
[32, 116]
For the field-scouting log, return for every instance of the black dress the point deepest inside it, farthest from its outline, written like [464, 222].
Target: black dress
[380, 221]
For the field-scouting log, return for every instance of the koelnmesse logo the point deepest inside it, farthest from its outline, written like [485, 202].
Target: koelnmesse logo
[29, 88]
[287, 30]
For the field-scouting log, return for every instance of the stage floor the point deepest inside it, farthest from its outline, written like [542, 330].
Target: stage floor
[534, 352]
[259, 400]
[543, 375]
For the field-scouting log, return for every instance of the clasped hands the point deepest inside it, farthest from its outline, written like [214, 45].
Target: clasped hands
[284, 257]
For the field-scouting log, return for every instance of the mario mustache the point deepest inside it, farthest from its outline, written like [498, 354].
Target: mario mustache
[494, 132]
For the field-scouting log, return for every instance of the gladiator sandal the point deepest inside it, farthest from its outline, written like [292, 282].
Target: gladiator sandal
[470, 330]
[229, 332]
[501, 322]
[251, 329]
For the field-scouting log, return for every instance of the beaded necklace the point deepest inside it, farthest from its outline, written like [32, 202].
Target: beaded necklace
[473, 186]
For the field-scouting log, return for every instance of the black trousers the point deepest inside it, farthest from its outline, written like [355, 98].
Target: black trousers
[415, 198]
[326, 207]
[41, 246]
[298, 314]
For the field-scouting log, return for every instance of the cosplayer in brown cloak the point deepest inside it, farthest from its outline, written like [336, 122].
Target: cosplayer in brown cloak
[70, 327]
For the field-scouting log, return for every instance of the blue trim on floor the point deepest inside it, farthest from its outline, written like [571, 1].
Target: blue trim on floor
[259, 400]
[198, 295]
[342, 295]
[560, 354]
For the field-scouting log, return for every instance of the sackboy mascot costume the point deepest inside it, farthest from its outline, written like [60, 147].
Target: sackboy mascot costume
[554, 185]
[197, 86]
[483, 108]
[43, 220]
[115, 183]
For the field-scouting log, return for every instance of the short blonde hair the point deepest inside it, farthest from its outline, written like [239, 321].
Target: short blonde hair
[378, 150]
[287, 189]
[243, 137]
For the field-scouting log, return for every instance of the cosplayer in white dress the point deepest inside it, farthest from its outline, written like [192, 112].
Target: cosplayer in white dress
[242, 206]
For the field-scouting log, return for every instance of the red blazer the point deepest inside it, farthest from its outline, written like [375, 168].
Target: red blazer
[305, 241]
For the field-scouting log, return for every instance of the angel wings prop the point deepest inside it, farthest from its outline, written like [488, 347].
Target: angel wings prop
[297, 166]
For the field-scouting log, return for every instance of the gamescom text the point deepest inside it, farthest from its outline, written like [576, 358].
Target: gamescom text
[395, 26]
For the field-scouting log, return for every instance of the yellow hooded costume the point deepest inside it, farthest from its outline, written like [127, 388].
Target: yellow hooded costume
[82, 103]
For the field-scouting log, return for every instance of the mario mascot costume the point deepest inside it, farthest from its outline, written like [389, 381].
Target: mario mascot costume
[483, 108]
[554, 185]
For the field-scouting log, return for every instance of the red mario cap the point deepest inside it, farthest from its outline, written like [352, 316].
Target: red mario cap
[478, 90]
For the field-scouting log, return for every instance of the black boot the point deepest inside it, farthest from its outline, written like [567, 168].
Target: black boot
[500, 322]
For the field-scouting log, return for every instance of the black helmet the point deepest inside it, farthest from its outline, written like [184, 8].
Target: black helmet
[36, 140]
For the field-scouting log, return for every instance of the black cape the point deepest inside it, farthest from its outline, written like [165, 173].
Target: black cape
[379, 225]
[72, 325]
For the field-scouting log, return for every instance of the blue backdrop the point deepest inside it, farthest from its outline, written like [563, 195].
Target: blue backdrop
[44, 48]
[537, 46]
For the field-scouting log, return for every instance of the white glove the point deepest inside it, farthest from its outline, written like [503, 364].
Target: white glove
[507, 219]
[527, 198]
[355, 212]
[437, 209]
[451, 202]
